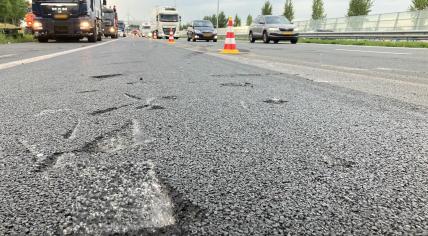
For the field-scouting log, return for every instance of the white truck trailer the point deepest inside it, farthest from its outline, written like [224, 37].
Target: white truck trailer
[164, 19]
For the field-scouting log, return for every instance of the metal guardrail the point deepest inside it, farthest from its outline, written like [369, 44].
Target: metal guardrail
[411, 25]
[405, 35]
[389, 22]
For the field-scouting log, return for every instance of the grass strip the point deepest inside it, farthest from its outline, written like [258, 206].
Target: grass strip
[25, 38]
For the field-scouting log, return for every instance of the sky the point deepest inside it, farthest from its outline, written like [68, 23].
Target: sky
[141, 10]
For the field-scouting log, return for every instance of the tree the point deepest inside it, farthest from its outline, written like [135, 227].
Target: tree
[237, 21]
[249, 20]
[222, 20]
[318, 10]
[289, 10]
[212, 18]
[359, 7]
[418, 5]
[12, 11]
[267, 8]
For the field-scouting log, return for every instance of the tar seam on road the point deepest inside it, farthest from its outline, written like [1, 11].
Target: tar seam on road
[49, 56]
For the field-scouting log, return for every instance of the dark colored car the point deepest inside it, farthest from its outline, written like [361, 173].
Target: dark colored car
[201, 30]
[273, 28]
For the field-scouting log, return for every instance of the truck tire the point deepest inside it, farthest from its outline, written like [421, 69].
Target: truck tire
[99, 37]
[294, 41]
[43, 40]
[93, 38]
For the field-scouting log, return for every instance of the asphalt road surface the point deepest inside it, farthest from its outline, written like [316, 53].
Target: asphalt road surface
[138, 137]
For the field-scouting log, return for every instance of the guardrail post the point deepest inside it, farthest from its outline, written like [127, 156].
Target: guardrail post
[378, 22]
[396, 22]
[418, 21]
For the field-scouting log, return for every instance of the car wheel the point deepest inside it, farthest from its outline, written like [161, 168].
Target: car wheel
[215, 40]
[294, 41]
[266, 37]
[251, 38]
[276, 41]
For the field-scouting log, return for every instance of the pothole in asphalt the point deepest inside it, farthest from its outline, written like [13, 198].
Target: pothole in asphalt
[120, 199]
[170, 97]
[71, 133]
[105, 76]
[246, 84]
[132, 96]
[107, 110]
[88, 91]
[157, 107]
[112, 142]
[275, 101]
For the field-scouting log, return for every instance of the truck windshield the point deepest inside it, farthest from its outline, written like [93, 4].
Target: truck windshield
[168, 18]
[109, 15]
[50, 8]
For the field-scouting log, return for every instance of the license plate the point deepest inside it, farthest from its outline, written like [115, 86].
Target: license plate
[207, 35]
[287, 33]
[60, 16]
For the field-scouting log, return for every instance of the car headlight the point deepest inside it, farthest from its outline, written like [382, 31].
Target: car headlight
[296, 29]
[37, 25]
[112, 30]
[198, 31]
[274, 29]
[85, 25]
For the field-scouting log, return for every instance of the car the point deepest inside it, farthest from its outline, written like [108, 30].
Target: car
[201, 30]
[273, 28]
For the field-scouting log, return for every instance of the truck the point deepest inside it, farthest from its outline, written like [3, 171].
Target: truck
[146, 29]
[110, 23]
[163, 20]
[74, 19]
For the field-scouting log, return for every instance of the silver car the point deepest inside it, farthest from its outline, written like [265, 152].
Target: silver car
[273, 28]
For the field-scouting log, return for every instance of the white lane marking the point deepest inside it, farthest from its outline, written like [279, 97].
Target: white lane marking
[8, 55]
[393, 69]
[49, 56]
[365, 51]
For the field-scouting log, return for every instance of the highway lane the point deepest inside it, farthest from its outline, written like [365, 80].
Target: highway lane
[139, 136]
[398, 73]
[14, 52]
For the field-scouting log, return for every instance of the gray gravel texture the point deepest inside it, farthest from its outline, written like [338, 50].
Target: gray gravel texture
[183, 143]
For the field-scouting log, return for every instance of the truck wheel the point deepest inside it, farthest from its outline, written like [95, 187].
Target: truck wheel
[43, 40]
[294, 41]
[94, 36]
[99, 37]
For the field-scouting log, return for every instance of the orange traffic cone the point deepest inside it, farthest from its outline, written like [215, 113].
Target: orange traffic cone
[230, 43]
[171, 37]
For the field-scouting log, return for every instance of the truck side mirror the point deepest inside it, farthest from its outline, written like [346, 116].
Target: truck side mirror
[105, 2]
